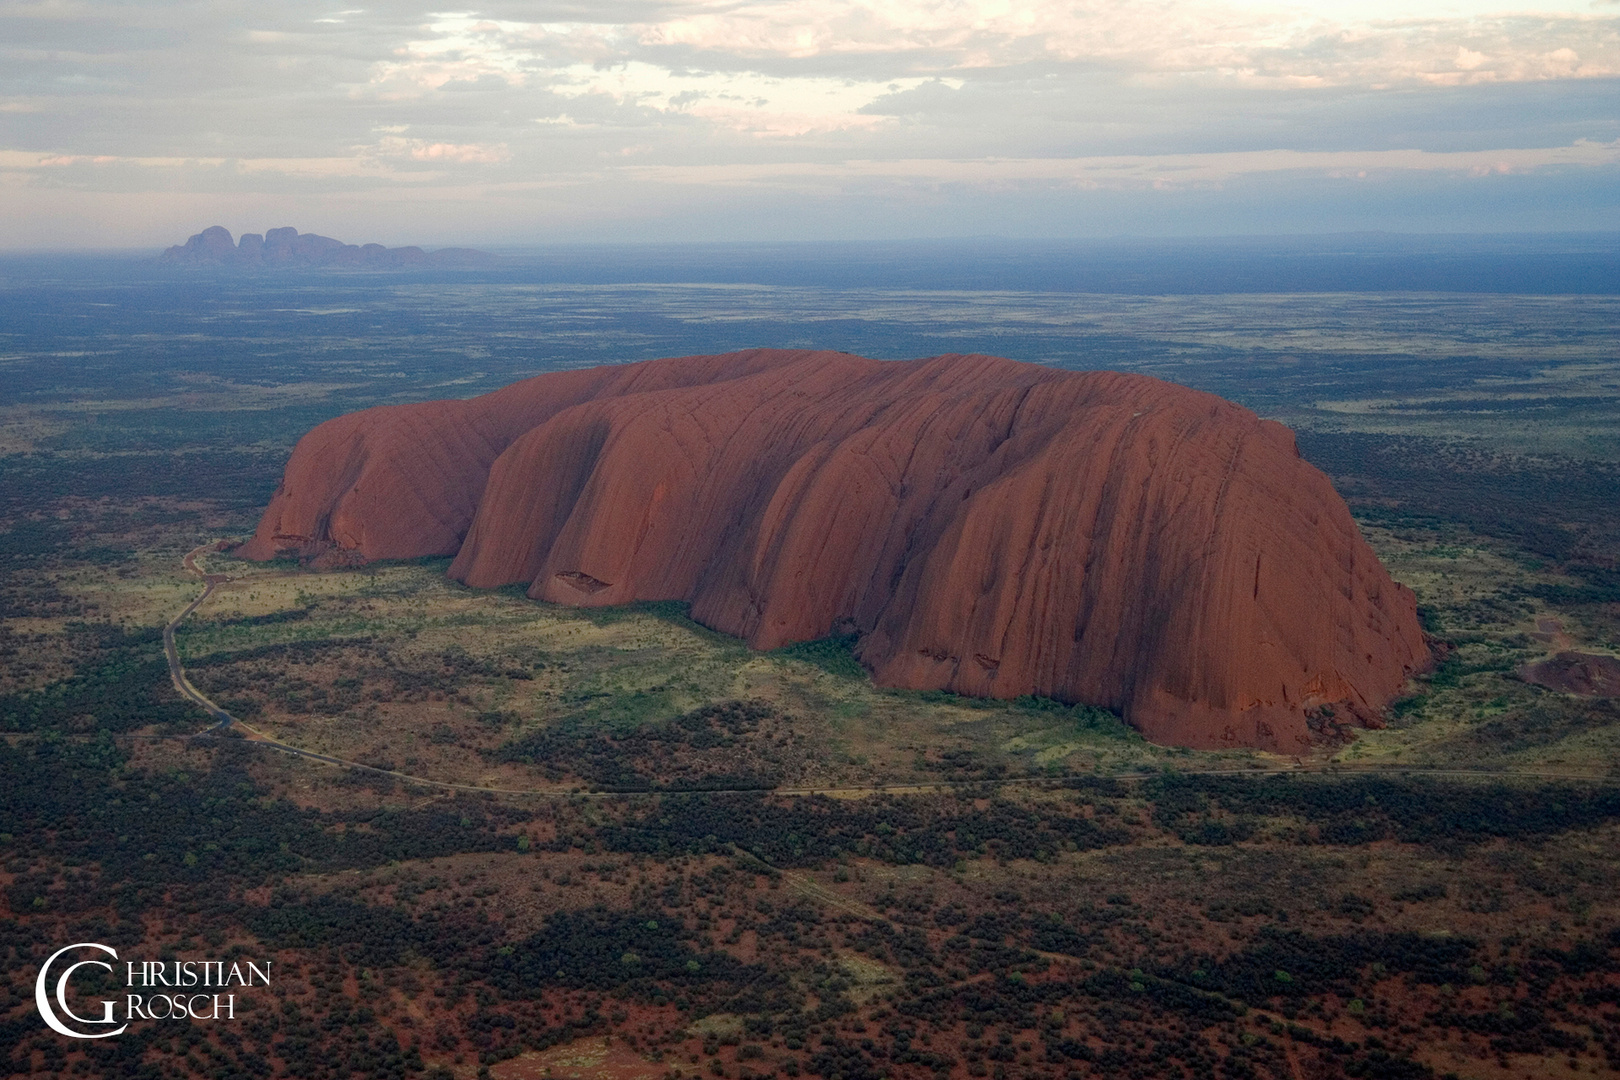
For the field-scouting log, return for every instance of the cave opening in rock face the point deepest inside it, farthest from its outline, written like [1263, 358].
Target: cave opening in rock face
[987, 527]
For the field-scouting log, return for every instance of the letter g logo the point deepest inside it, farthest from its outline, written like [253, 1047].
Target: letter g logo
[42, 997]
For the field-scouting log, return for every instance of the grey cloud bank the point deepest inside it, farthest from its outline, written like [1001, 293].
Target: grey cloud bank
[135, 124]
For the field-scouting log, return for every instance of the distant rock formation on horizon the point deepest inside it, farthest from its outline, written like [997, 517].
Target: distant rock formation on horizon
[985, 526]
[289, 249]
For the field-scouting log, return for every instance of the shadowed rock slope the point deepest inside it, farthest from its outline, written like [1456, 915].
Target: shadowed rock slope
[988, 527]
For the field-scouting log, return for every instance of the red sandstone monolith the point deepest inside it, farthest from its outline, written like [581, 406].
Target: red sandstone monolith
[988, 527]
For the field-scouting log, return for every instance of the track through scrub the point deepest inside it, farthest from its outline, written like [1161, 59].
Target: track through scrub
[228, 726]
[177, 673]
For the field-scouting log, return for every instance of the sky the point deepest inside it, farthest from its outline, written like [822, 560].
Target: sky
[130, 123]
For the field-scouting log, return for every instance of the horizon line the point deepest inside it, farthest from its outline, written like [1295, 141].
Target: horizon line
[1588, 235]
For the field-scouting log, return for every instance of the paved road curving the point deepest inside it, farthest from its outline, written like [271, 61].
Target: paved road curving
[177, 673]
[226, 725]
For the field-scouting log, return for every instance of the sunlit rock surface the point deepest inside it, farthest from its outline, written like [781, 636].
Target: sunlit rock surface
[988, 527]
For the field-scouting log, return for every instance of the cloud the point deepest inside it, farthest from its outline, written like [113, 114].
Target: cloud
[299, 99]
[460, 153]
[1160, 172]
[743, 101]
[865, 42]
[1276, 44]
[367, 166]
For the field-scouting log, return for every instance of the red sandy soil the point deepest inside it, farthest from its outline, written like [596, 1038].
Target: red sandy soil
[596, 1058]
[1585, 674]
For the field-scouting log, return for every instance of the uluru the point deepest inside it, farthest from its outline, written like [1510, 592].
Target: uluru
[985, 526]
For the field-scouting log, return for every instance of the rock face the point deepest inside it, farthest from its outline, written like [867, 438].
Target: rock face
[290, 249]
[988, 527]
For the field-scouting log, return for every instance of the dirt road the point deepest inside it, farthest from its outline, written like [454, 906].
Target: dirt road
[226, 725]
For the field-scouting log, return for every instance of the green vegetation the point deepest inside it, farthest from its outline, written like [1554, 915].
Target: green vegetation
[121, 685]
[834, 655]
[650, 755]
[210, 831]
[1034, 893]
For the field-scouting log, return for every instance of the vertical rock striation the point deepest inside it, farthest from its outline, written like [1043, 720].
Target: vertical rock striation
[988, 527]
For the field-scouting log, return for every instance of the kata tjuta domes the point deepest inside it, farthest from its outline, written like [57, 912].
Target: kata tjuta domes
[988, 527]
[289, 249]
